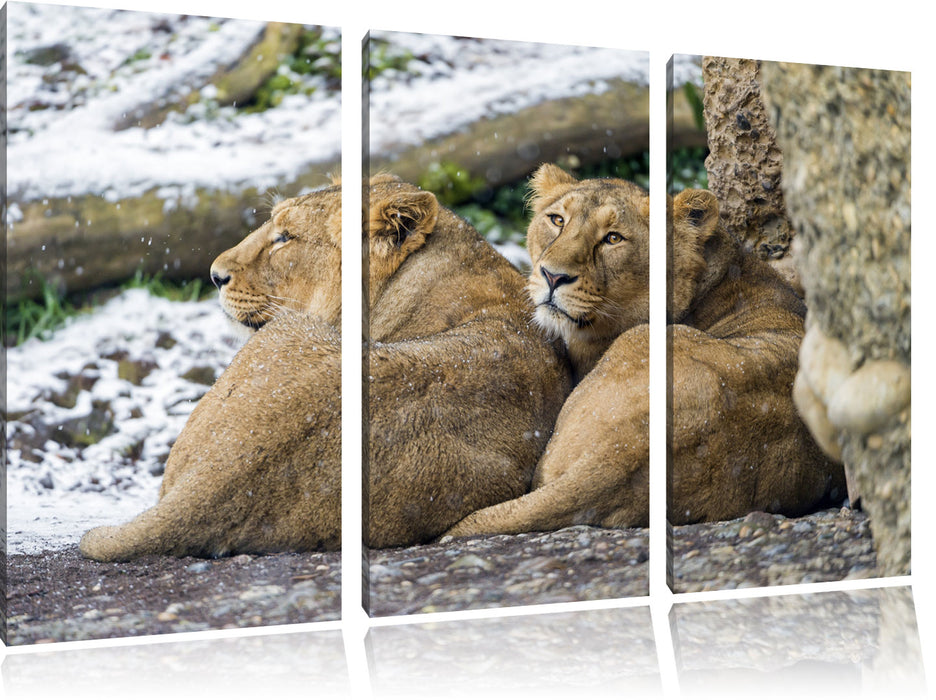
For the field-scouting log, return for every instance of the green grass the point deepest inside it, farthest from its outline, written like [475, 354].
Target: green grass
[29, 318]
[384, 56]
[687, 169]
[315, 56]
[188, 290]
[39, 318]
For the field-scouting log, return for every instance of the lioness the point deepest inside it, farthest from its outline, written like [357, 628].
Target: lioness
[736, 443]
[257, 467]
[462, 390]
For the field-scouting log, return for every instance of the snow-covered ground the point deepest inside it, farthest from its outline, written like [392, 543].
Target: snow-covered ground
[75, 72]
[109, 63]
[119, 370]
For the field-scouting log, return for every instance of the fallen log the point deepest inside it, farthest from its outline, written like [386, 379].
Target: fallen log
[84, 242]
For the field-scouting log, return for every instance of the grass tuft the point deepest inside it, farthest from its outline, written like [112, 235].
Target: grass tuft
[39, 318]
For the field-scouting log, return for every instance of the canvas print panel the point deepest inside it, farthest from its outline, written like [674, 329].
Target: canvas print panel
[142, 149]
[788, 333]
[478, 332]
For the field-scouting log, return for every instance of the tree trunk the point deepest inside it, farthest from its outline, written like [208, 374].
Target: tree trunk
[845, 134]
[235, 84]
[573, 131]
[744, 162]
[83, 242]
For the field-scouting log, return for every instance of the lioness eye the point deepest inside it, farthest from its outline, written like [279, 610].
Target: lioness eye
[557, 220]
[613, 237]
[283, 237]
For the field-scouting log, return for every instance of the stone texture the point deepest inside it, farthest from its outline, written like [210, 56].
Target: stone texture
[763, 549]
[744, 163]
[845, 137]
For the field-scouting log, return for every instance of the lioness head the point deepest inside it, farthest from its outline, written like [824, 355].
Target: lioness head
[291, 262]
[698, 250]
[589, 243]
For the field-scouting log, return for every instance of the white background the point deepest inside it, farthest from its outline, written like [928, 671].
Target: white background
[896, 35]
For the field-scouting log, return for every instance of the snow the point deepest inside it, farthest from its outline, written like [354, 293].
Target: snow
[53, 501]
[498, 77]
[687, 68]
[70, 146]
[62, 119]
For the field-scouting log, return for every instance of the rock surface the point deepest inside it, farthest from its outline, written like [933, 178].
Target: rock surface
[845, 136]
[744, 163]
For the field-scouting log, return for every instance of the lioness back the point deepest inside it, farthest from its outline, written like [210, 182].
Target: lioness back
[738, 442]
[462, 390]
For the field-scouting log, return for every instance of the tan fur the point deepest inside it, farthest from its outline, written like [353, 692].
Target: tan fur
[462, 390]
[570, 221]
[257, 467]
[736, 442]
[265, 272]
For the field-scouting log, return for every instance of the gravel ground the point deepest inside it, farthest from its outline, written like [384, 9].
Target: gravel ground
[59, 596]
[585, 563]
[576, 563]
[771, 550]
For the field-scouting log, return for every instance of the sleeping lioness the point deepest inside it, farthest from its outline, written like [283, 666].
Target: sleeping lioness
[736, 443]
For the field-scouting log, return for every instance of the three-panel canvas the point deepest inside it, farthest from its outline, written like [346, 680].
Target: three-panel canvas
[173, 327]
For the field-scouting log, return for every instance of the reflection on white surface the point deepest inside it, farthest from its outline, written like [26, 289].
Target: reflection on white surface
[303, 664]
[594, 654]
[844, 642]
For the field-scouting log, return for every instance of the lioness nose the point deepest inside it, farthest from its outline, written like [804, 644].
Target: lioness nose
[219, 277]
[556, 279]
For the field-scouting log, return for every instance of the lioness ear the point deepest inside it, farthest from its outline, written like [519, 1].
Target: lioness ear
[547, 182]
[404, 217]
[645, 208]
[698, 209]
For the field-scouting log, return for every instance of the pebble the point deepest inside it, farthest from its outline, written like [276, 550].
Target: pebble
[256, 592]
[469, 561]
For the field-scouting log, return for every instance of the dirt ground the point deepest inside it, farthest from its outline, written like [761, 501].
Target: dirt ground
[60, 596]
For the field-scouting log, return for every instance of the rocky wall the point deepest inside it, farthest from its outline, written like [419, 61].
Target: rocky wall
[845, 138]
